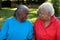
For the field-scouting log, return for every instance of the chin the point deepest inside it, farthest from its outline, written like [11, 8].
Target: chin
[43, 19]
[23, 20]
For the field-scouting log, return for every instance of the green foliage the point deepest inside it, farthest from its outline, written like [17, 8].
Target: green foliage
[56, 4]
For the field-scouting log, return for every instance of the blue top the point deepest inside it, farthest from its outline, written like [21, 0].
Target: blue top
[15, 30]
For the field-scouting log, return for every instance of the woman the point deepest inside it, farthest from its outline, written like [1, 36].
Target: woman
[17, 27]
[45, 27]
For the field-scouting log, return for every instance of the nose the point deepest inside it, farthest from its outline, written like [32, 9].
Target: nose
[42, 15]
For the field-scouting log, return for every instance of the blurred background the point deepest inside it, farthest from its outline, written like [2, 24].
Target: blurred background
[7, 8]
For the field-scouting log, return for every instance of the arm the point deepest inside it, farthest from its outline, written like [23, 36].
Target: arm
[30, 35]
[58, 32]
[4, 30]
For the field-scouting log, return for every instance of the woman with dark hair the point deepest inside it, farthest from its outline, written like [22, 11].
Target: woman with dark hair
[17, 27]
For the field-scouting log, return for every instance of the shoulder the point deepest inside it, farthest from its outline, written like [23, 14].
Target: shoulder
[9, 19]
[38, 20]
[57, 21]
[29, 22]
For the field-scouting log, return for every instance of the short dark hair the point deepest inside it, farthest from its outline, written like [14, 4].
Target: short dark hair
[21, 7]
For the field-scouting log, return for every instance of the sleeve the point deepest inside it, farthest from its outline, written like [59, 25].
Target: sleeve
[30, 34]
[34, 26]
[58, 32]
[3, 32]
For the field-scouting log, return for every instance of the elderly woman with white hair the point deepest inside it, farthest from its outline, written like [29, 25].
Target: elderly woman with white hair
[45, 27]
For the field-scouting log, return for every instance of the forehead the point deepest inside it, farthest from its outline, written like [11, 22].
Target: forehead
[43, 11]
[22, 11]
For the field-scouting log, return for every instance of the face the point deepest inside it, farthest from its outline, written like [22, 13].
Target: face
[22, 15]
[44, 15]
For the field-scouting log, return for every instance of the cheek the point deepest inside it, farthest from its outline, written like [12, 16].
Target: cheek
[25, 16]
[44, 17]
[22, 16]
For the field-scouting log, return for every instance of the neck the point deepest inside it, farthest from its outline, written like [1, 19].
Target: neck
[47, 20]
[46, 23]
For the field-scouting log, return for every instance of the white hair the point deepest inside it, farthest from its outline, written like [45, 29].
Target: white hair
[48, 7]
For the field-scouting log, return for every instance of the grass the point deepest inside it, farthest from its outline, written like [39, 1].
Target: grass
[9, 12]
